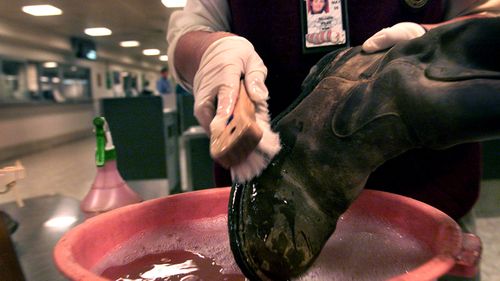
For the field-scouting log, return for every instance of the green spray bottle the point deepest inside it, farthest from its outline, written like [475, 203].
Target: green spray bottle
[109, 191]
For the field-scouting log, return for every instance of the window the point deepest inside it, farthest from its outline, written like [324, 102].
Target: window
[13, 81]
[22, 82]
[75, 83]
[50, 82]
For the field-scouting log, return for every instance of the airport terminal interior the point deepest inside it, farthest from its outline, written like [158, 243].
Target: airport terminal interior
[55, 79]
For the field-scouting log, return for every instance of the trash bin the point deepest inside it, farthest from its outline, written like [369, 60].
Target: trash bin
[196, 163]
[170, 122]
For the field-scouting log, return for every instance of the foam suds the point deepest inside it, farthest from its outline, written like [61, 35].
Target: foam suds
[367, 250]
[361, 249]
[207, 237]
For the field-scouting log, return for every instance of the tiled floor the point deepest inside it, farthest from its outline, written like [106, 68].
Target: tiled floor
[69, 170]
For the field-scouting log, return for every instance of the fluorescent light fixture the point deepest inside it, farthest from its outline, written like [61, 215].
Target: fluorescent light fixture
[164, 58]
[98, 31]
[174, 3]
[42, 10]
[50, 64]
[151, 52]
[128, 44]
[60, 222]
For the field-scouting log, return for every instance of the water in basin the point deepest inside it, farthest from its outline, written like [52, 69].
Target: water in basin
[361, 249]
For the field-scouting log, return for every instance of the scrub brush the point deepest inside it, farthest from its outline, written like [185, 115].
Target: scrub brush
[245, 134]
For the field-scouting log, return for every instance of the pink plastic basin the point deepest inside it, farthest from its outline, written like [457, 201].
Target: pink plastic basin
[382, 236]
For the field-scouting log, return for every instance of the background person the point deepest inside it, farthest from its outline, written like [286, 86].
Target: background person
[163, 84]
[145, 89]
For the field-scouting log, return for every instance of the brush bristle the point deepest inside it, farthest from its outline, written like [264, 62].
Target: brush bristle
[258, 159]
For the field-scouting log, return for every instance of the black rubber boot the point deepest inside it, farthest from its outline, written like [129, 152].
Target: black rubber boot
[356, 112]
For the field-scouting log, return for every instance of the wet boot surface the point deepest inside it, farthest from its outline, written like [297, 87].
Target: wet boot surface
[356, 112]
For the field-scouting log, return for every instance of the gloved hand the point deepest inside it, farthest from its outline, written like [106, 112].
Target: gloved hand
[388, 37]
[217, 82]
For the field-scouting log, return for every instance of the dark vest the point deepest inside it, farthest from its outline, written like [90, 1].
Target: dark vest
[448, 180]
[274, 27]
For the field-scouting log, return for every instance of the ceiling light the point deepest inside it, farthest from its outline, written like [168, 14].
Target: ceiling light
[174, 3]
[164, 58]
[151, 52]
[128, 44]
[98, 31]
[50, 64]
[42, 10]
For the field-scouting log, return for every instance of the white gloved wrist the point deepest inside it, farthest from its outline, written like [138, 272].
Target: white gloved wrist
[217, 80]
[390, 36]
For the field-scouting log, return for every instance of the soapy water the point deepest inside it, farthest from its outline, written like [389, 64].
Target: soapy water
[203, 237]
[170, 266]
[361, 249]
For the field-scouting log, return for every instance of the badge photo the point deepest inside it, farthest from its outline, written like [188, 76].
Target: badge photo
[324, 25]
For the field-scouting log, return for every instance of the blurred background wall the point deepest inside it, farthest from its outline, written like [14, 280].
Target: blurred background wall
[39, 110]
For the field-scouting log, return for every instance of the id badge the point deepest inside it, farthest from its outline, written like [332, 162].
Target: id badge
[324, 25]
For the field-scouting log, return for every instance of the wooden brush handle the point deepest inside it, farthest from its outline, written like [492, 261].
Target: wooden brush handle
[241, 134]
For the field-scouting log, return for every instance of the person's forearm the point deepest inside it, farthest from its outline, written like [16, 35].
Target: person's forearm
[189, 50]
[479, 15]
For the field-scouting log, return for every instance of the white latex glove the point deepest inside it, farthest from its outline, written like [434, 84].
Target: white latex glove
[217, 81]
[390, 36]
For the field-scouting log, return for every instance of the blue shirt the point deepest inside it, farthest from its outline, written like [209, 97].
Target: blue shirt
[163, 86]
